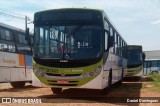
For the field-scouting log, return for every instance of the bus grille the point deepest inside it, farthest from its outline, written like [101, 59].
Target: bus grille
[66, 75]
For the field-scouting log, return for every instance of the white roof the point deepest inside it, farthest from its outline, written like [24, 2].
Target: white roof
[151, 59]
[152, 54]
[11, 27]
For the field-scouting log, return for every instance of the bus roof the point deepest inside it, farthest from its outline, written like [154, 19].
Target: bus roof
[70, 9]
[151, 59]
[11, 27]
[135, 45]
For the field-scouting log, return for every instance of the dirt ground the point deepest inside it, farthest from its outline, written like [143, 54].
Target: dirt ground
[78, 97]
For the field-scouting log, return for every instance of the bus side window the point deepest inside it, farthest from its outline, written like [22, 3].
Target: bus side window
[106, 40]
[2, 33]
[115, 44]
[112, 38]
[158, 63]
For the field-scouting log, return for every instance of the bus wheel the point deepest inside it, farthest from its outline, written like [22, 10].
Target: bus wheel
[119, 83]
[110, 80]
[107, 89]
[56, 90]
[17, 84]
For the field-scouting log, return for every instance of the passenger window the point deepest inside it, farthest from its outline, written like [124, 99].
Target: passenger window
[2, 34]
[106, 40]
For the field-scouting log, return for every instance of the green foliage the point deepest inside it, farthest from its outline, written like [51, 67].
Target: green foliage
[156, 80]
[155, 77]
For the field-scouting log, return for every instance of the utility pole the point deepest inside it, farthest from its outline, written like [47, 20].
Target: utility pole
[26, 23]
[27, 35]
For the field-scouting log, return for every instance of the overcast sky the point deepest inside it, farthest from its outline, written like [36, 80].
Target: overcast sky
[138, 21]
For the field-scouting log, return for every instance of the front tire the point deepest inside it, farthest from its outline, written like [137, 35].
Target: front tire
[56, 90]
[17, 84]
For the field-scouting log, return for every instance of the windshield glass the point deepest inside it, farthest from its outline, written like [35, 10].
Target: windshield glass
[68, 42]
[134, 57]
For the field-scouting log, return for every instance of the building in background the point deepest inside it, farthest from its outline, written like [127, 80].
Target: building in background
[152, 62]
[152, 54]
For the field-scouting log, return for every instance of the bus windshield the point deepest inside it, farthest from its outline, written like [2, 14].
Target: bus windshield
[68, 42]
[134, 58]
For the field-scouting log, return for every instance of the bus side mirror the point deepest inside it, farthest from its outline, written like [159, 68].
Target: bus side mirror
[111, 41]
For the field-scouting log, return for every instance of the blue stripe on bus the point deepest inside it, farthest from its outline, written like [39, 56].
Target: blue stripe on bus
[28, 60]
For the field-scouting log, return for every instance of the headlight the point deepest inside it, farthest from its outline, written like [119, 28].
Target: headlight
[42, 74]
[38, 72]
[86, 75]
[93, 73]
[34, 69]
[98, 70]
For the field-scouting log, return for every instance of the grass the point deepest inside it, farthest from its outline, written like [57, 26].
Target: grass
[156, 81]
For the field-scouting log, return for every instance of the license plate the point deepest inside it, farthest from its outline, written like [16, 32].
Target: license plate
[62, 81]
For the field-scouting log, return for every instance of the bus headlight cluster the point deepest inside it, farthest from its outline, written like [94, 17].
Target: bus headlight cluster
[92, 73]
[38, 72]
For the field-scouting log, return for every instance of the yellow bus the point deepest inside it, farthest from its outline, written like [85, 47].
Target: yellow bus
[77, 48]
[135, 59]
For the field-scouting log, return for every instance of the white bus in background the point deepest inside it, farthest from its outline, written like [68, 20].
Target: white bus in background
[151, 66]
[15, 57]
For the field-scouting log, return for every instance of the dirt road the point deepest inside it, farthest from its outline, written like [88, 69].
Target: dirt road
[73, 97]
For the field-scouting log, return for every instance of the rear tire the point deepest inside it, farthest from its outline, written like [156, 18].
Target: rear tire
[56, 90]
[17, 84]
